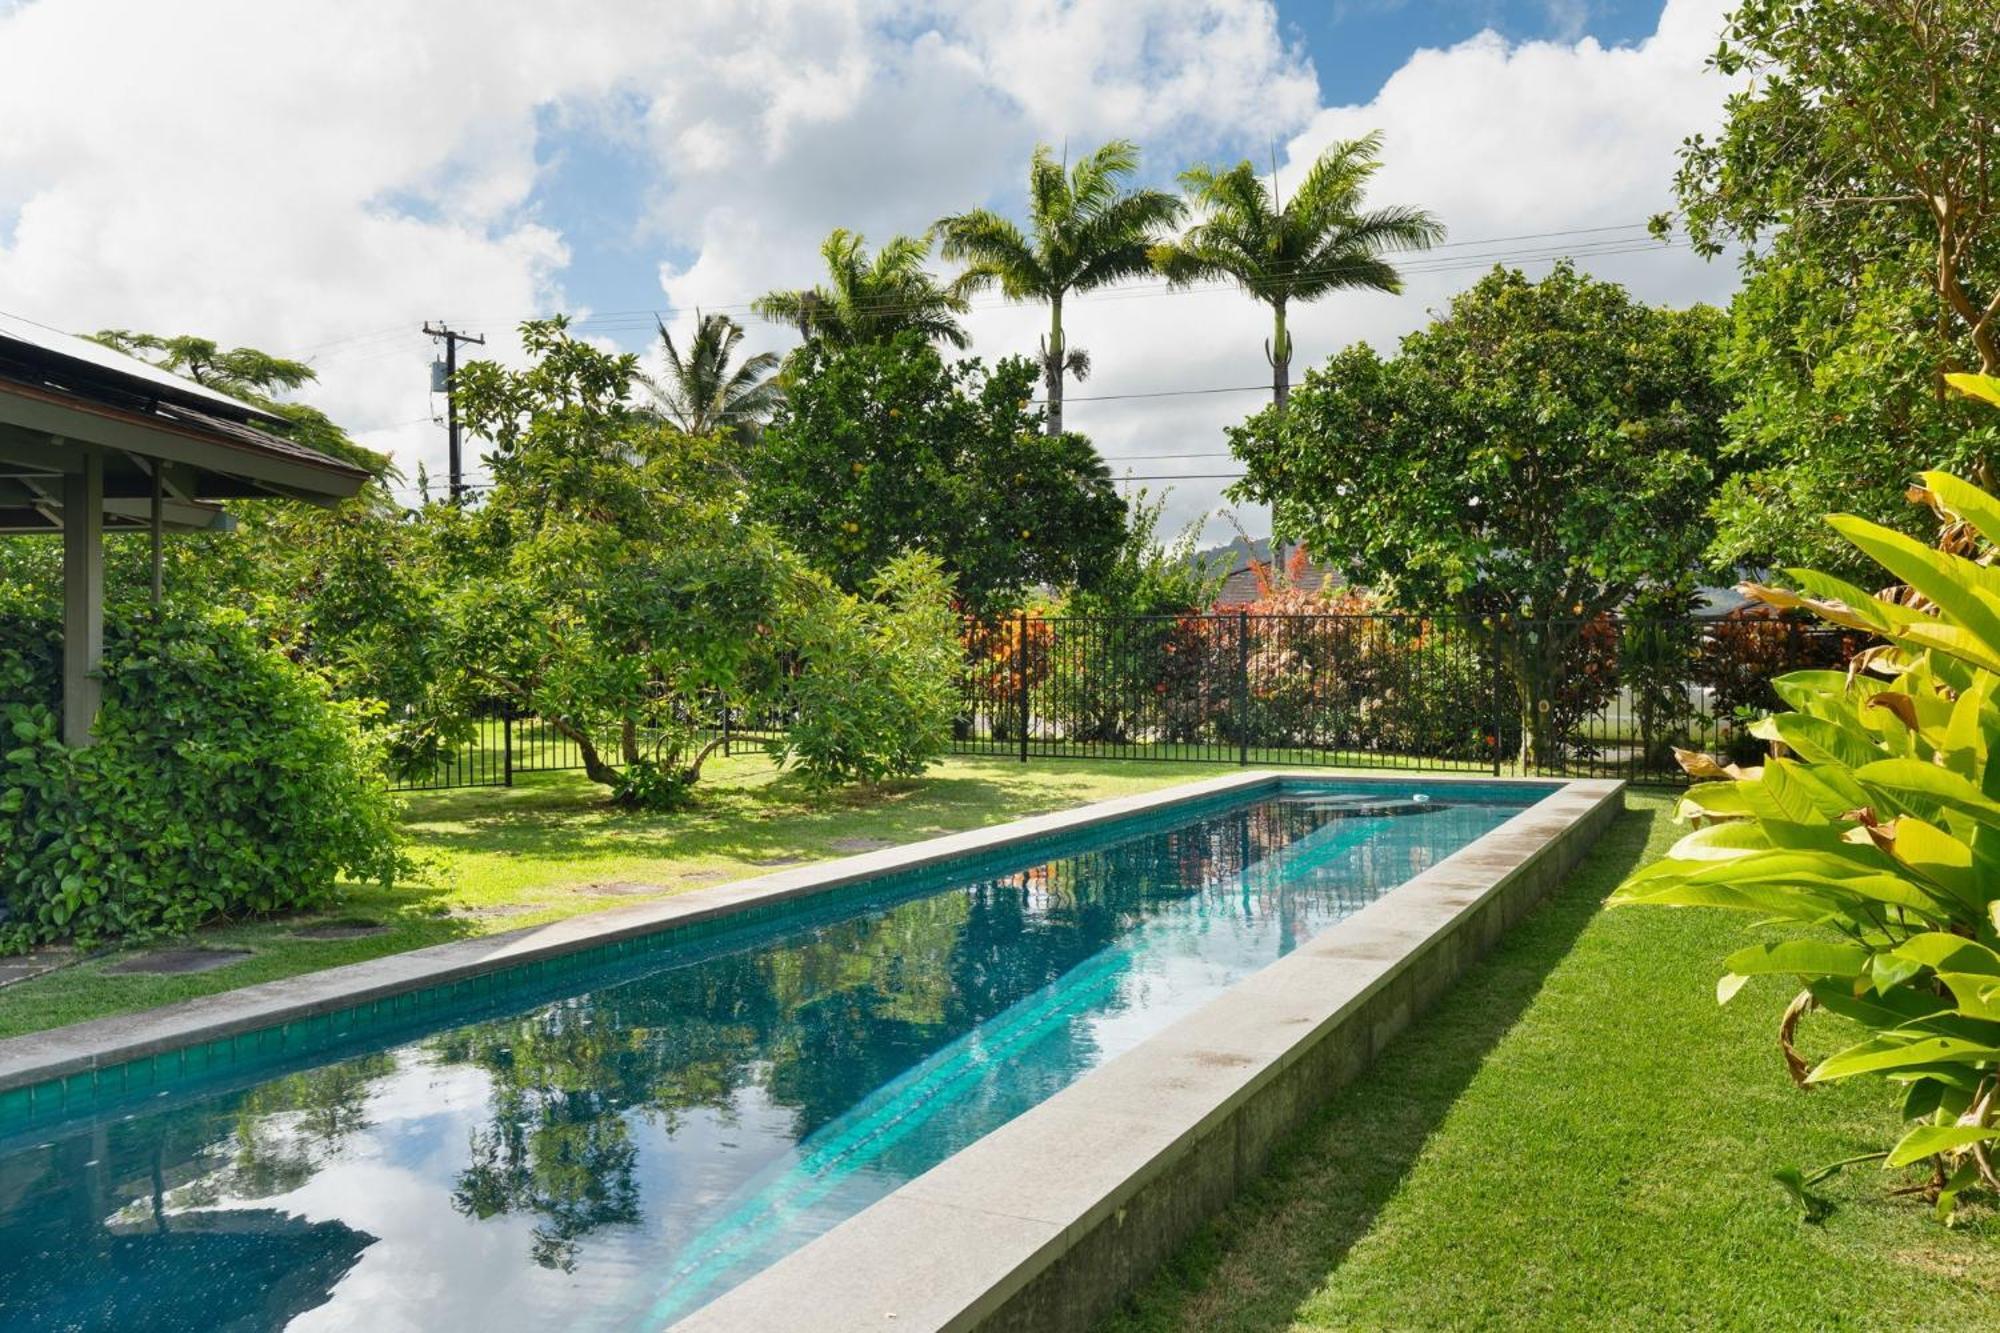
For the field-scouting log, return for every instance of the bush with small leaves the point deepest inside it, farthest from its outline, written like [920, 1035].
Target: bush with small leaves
[224, 782]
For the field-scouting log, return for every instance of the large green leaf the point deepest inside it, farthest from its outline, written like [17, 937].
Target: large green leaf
[1949, 581]
[1818, 958]
[1929, 1140]
[1955, 640]
[1819, 740]
[1894, 1051]
[1967, 501]
[1939, 858]
[1945, 952]
[1986, 387]
[1922, 787]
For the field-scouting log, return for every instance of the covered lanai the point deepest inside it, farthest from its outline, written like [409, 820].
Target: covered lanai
[93, 441]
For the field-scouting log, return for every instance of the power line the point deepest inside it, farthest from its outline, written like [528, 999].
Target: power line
[1609, 245]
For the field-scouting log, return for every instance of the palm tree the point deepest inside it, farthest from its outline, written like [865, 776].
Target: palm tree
[1088, 231]
[870, 300]
[702, 394]
[1298, 249]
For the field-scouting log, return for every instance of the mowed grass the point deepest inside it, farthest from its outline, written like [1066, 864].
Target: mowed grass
[1578, 1136]
[498, 859]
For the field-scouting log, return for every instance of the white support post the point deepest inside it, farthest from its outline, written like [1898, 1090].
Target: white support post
[83, 596]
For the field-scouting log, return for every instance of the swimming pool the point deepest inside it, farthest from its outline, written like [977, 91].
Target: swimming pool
[612, 1141]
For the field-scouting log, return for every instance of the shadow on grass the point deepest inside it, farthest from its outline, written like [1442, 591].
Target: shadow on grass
[563, 816]
[1254, 1267]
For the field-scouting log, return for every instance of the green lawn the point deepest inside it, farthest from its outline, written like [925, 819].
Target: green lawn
[1578, 1136]
[497, 859]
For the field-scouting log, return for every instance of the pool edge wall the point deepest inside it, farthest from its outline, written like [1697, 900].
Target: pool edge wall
[1051, 1220]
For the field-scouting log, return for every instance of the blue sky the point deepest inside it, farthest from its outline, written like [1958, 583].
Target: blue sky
[596, 181]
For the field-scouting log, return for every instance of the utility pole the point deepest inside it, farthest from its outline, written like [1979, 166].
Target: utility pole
[451, 341]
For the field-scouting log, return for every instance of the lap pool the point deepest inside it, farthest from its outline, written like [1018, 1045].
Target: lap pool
[612, 1138]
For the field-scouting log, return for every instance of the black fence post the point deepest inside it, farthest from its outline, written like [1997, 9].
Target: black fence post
[1499, 714]
[1021, 677]
[507, 744]
[1242, 688]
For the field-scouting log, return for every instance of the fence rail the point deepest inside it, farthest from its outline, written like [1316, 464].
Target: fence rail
[1585, 697]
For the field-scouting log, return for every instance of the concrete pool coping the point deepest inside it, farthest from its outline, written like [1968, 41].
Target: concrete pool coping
[102, 1043]
[1048, 1221]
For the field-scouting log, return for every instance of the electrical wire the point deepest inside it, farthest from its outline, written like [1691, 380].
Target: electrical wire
[1433, 259]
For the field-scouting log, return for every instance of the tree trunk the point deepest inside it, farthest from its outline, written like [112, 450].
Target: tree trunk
[594, 766]
[1279, 353]
[628, 740]
[1052, 367]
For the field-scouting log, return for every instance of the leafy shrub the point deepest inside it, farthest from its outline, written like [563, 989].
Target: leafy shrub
[875, 683]
[224, 782]
[1879, 843]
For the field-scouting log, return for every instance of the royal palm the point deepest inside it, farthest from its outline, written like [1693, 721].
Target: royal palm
[1286, 251]
[1086, 229]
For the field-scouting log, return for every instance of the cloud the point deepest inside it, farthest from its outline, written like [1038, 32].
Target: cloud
[317, 178]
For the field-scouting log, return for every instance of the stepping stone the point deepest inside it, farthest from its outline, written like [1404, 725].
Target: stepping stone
[860, 844]
[620, 888]
[778, 860]
[703, 876]
[25, 967]
[177, 962]
[503, 909]
[340, 930]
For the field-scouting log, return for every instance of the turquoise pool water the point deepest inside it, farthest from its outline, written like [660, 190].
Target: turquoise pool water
[609, 1141]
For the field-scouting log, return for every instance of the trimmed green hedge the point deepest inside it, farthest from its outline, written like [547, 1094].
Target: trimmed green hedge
[224, 783]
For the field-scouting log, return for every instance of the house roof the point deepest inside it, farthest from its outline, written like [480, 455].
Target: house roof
[62, 397]
[1241, 586]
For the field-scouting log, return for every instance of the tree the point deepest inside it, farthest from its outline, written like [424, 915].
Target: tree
[605, 584]
[1283, 251]
[1543, 453]
[870, 300]
[257, 378]
[702, 394]
[1857, 169]
[346, 592]
[1089, 231]
[881, 449]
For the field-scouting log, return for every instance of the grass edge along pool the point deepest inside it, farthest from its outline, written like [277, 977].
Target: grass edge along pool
[248, 1058]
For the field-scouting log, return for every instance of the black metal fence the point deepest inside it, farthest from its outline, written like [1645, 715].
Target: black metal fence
[500, 747]
[1598, 697]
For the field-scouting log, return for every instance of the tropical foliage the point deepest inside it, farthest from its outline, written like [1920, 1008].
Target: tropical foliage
[223, 782]
[882, 449]
[1856, 169]
[702, 392]
[1539, 456]
[874, 683]
[604, 584]
[1871, 836]
[1290, 251]
[1086, 229]
[870, 300]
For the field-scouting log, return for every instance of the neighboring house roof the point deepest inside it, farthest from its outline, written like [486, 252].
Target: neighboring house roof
[1241, 585]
